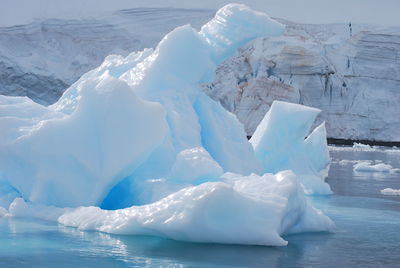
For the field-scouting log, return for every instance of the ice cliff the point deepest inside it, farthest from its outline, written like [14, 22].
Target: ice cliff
[136, 147]
[350, 72]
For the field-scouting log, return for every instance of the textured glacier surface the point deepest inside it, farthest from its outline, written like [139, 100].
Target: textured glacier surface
[137, 134]
[350, 72]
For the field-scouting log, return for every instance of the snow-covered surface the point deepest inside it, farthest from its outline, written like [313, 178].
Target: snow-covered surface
[349, 72]
[390, 191]
[139, 131]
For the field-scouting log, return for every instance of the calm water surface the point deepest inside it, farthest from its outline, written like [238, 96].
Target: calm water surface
[367, 234]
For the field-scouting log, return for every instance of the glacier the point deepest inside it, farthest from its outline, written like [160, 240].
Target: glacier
[136, 147]
[350, 73]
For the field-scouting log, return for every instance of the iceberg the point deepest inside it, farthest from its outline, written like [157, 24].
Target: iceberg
[135, 147]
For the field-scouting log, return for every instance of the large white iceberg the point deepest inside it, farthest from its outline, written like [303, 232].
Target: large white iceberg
[138, 135]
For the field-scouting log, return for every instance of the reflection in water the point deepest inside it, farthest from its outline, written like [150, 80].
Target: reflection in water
[367, 234]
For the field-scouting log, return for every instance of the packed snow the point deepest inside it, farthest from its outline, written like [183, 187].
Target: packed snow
[390, 191]
[138, 135]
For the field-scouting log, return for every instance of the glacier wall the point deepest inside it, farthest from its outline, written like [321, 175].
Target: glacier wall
[349, 72]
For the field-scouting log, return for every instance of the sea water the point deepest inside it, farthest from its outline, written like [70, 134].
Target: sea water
[367, 232]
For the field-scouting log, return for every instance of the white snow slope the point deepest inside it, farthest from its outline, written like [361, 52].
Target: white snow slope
[137, 134]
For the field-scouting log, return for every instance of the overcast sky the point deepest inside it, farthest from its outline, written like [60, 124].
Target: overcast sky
[385, 12]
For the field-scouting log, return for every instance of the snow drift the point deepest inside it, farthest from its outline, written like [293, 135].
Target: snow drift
[138, 135]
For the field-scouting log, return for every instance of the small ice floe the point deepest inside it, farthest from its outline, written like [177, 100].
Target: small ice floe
[369, 166]
[347, 162]
[390, 191]
[360, 145]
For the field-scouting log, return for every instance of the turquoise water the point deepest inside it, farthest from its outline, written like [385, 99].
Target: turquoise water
[367, 234]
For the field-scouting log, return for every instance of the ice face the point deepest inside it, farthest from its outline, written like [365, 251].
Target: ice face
[280, 143]
[75, 159]
[139, 134]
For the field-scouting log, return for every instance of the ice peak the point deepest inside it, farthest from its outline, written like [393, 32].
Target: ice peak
[236, 24]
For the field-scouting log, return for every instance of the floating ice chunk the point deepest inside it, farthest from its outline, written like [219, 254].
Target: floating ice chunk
[347, 162]
[360, 145]
[368, 166]
[390, 191]
[279, 143]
